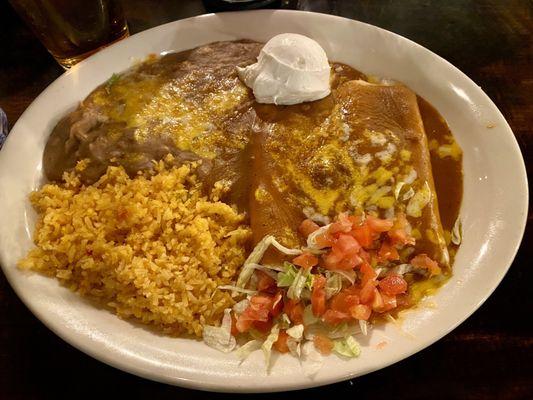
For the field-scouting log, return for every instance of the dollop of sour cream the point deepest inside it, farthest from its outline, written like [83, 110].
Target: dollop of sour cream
[290, 69]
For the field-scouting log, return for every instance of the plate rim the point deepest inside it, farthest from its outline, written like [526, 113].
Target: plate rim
[121, 364]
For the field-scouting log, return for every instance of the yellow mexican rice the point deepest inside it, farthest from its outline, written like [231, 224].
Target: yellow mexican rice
[150, 247]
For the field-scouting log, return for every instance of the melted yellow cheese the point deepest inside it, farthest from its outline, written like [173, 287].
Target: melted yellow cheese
[324, 198]
[158, 106]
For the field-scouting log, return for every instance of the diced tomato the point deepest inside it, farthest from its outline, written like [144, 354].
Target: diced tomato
[331, 259]
[400, 236]
[423, 261]
[323, 344]
[356, 220]
[399, 231]
[256, 314]
[363, 235]
[361, 311]
[263, 326]
[243, 324]
[377, 301]
[344, 254]
[346, 244]
[368, 273]
[280, 345]
[393, 284]
[305, 260]
[343, 224]
[334, 317]
[265, 282]
[349, 262]
[335, 260]
[307, 227]
[277, 304]
[325, 240]
[318, 296]
[343, 301]
[378, 224]
[388, 252]
[261, 301]
[295, 311]
[389, 302]
[367, 291]
[352, 290]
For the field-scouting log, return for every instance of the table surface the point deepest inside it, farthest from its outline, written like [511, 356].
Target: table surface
[490, 356]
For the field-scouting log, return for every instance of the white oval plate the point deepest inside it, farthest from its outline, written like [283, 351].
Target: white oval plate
[494, 205]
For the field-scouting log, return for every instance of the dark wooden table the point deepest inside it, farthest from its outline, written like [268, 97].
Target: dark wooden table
[490, 356]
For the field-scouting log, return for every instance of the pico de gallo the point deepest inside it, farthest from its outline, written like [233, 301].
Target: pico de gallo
[350, 272]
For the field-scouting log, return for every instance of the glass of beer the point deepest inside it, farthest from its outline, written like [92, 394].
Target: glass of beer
[72, 30]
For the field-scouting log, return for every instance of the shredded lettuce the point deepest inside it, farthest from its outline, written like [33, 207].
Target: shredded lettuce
[257, 254]
[311, 360]
[286, 278]
[284, 321]
[294, 347]
[403, 269]
[219, 337]
[246, 349]
[306, 293]
[237, 289]
[380, 271]
[283, 249]
[295, 337]
[342, 330]
[398, 189]
[238, 308]
[303, 279]
[314, 251]
[266, 269]
[348, 275]
[296, 278]
[308, 317]
[309, 281]
[296, 332]
[316, 217]
[408, 194]
[457, 232]
[278, 268]
[347, 347]
[311, 239]
[363, 325]
[267, 344]
[333, 285]
[297, 285]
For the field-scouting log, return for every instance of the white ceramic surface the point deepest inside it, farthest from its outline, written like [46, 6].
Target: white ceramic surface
[494, 205]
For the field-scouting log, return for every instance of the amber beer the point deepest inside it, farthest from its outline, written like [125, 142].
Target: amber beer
[72, 30]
